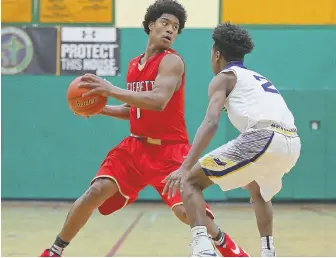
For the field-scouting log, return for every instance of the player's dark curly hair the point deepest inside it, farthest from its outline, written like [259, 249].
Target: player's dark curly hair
[160, 7]
[232, 41]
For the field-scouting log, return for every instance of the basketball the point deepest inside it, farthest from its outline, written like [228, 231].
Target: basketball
[84, 106]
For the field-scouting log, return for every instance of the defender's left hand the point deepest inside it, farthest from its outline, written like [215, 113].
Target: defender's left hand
[96, 85]
[173, 182]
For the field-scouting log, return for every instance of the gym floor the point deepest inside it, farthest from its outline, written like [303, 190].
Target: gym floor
[151, 230]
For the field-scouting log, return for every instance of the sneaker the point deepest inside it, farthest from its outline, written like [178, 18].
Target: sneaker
[268, 252]
[202, 247]
[231, 249]
[48, 253]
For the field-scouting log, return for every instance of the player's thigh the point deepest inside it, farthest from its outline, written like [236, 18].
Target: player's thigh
[270, 183]
[120, 167]
[280, 158]
[271, 169]
[240, 161]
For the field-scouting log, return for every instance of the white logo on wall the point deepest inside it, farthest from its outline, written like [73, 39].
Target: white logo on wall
[90, 49]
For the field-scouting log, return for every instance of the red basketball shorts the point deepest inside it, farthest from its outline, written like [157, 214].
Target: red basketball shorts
[135, 164]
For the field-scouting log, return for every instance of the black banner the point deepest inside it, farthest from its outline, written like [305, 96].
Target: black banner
[90, 50]
[28, 50]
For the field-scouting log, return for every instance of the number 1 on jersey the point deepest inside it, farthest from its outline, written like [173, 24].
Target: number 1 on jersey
[266, 85]
[138, 113]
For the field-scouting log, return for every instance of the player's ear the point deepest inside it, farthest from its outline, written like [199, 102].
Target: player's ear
[218, 55]
[151, 26]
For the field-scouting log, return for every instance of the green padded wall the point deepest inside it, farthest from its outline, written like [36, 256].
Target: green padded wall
[47, 152]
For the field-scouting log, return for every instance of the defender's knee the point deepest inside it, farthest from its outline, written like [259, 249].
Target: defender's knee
[197, 178]
[190, 181]
[254, 191]
[257, 197]
[181, 214]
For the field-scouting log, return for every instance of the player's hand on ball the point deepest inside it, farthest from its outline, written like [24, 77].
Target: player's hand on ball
[95, 85]
[80, 115]
[173, 182]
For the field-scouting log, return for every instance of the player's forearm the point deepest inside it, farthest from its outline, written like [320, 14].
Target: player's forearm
[144, 99]
[120, 112]
[203, 137]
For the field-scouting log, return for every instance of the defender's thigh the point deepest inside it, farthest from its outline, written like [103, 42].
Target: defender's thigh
[281, 158]
[240, 161]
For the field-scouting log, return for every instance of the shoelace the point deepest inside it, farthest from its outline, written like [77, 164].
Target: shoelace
[196, 240]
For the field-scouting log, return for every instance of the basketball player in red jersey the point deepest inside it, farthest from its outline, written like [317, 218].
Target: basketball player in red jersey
[158, 142]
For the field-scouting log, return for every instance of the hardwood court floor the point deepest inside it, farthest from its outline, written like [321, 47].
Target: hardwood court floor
[29, 227]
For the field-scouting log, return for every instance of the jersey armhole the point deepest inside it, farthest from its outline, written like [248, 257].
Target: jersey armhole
[183, 75]
[235, 73]
[184, 69]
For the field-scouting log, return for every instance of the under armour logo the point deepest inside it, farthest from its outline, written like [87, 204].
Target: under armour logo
[85, 33]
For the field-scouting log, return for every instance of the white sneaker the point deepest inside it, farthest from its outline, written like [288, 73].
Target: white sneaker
[202, 247]
[268, 253]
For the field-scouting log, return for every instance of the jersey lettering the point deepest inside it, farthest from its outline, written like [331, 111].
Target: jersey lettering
[140, 86]
[266, 85]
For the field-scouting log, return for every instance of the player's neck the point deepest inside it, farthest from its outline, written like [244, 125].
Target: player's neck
[150, 51]
[223, 65]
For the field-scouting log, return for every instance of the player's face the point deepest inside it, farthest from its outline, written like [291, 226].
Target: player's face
[215, 61]
[164, 31]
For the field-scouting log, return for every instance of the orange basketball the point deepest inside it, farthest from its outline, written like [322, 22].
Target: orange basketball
[84, 106]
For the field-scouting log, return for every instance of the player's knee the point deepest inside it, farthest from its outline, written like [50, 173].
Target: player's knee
[188, 185]
[100, 190]
[189, 180]
[197, 178]
[181, 214]
[256, 195]
[257, 198]
[254, 191]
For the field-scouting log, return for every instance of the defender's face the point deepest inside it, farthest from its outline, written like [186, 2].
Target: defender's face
[215, 61]
[164, 30]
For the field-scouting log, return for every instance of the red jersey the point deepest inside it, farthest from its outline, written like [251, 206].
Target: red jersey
[169, 124]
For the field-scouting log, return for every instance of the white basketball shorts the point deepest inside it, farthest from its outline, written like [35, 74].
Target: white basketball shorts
[261, 155]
